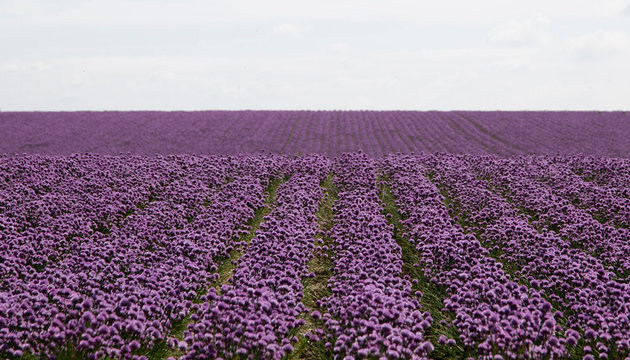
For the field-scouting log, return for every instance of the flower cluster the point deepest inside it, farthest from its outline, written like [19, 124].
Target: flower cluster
[100, 255]
[255, 315]
[371, 312]
[592, 300]
[603, 171]
[106, 257]
[609, 203]
[548, 194]
[494, 315]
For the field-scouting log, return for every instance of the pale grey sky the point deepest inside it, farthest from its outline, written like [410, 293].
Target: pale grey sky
[339, 54]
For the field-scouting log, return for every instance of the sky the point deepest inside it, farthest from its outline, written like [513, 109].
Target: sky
[339, 54]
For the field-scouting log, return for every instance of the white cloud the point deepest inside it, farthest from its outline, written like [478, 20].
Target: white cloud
[520, 32]
[291, 30]
[600, 44]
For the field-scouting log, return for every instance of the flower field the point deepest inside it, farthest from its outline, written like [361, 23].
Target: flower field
[261, 256]
[377, 133]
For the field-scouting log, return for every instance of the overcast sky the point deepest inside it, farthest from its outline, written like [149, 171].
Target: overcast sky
[339, 54]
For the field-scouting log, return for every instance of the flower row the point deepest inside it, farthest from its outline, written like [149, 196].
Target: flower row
[371, 312]
[256, 314]
[607, 172]
[493, 314]
[116, 290]
[520, 180]
[593, 302]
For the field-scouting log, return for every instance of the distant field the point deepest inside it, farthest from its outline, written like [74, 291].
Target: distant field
[324, 132]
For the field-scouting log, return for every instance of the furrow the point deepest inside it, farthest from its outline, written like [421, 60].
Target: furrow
[594, 304]
[517, 180]
[371, 311]
[256, 312]
[486, 312]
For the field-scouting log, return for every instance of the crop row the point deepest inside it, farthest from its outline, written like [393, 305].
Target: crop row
[518, 180]
[332, 133]
[609, 172]
[493, 314]
[256, 314]
[593, 302]
[608, 204]
[555, 132]
[371, 311]
[122, 257]
[115, 288]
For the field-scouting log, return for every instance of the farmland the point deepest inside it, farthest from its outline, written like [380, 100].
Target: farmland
[367, 235]
[377, 133]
